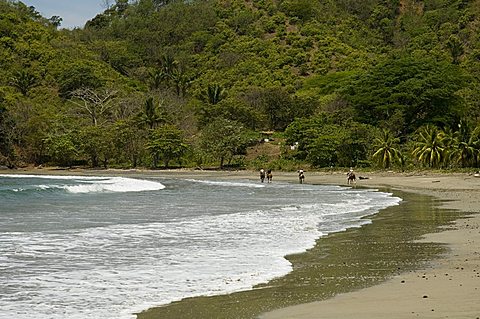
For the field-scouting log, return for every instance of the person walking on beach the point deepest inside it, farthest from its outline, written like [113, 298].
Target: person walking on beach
[262, 175]
[301, 176]
[269, 176]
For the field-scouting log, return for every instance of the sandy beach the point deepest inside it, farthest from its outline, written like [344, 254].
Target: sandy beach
[448, 287]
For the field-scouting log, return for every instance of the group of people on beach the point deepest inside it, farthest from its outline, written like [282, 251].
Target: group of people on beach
[351, 178]
[268, 175]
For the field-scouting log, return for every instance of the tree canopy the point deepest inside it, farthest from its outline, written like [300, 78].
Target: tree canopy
[330, 75]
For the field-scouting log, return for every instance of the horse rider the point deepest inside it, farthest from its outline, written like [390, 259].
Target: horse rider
[269, 176]
[301, 176]
[262, 175]
[351, 177]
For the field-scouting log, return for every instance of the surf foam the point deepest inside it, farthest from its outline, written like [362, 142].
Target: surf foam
[94, 184]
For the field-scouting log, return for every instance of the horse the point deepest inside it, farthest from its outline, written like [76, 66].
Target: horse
[262, 175]
[301, 177]
[351, 178]
[269, 176]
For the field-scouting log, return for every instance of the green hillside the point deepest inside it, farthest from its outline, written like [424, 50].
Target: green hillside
[149, 83]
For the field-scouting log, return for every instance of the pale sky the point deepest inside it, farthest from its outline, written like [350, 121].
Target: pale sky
[73, 12]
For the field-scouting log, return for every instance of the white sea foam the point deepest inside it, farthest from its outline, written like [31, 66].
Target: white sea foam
[227, 184]
[116, 184]
[93, 184]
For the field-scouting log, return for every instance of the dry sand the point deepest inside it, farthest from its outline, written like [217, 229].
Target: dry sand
[450, 288]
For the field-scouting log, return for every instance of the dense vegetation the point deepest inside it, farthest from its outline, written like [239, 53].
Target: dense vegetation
[152, 83]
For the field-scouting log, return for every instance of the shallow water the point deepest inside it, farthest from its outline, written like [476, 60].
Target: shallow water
[340, 262]
[107, 247]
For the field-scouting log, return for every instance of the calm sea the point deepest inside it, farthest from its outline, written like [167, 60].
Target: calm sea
[108, 247]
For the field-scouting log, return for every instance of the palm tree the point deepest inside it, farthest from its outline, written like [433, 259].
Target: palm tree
[181, 80]
[214, 94]
[23, 81]
[456, 48]
[449, 140]
[168, 65]
[157, 77]
[476, 142]
[164, 74]
[429, 148]
[386, 152]
[150, 116]
[463, 145]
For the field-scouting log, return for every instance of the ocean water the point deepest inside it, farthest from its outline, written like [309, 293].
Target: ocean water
[110, 247]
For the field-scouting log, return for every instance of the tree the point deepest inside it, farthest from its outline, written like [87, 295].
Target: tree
[166, 143]
[302, 133]
[129, 142]
[386, 149]
[276, 105]
[421, 88]
[95, 103]
[170, 74]
[56, 21]
[77, 76]
[223, 139]
[463, 145]
[280, 108]
[6, 138]
[429, 148]
[164, 74]
[97, 143]
[168, 65]
[213, 94]
[302, 9]
[322, 152]
[151, 116]
[23, 81]
[62, 148]
[181, 81]
[161, 3]
[118, 55]
[455, 46]
[325, 141]
[156, 78]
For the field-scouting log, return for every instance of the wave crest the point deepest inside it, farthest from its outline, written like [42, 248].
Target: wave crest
[89, 184]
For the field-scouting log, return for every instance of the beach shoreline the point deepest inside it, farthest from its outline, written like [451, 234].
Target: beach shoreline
[449, 287]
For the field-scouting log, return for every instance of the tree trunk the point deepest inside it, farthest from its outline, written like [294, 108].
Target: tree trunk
[94, 159]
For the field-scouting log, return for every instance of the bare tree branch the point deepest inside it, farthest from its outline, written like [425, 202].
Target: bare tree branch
[95, 103]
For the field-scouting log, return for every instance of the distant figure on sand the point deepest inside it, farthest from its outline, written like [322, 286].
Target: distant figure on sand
[351, 178]
[262, 175]
[269, 176]
[301, 176]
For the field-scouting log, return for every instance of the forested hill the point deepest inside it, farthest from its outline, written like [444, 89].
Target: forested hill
[194, 83]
